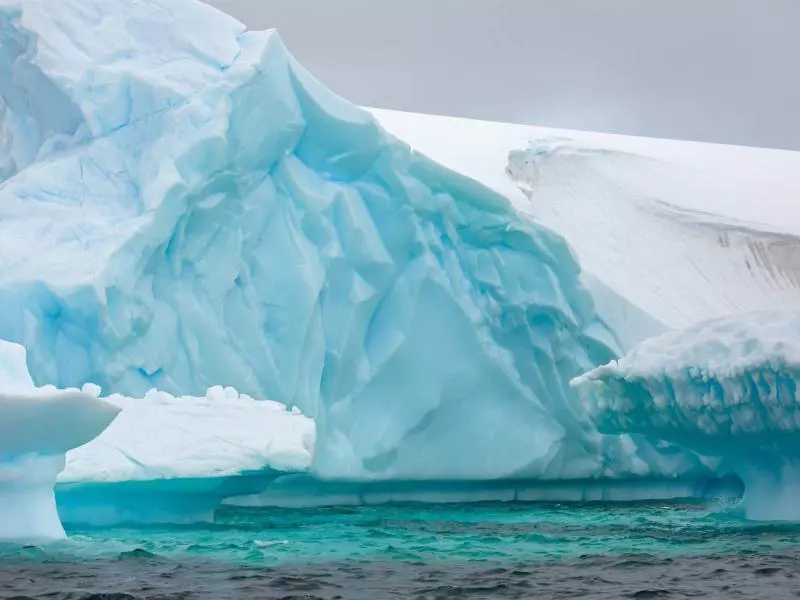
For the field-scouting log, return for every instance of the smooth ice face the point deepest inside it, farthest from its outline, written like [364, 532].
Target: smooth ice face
[37, 426]
[27, 504]
[185, 206]
[50, 421]
[726, 388]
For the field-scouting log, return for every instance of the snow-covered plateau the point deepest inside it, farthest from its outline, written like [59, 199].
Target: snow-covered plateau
[195, 213]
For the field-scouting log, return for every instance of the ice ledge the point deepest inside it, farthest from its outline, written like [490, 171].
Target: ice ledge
[306, 491]
[727, 388]
[198, 500]
[35, 432]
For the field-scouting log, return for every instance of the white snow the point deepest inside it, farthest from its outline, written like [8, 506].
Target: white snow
[727, 388]
[684, 231]
[721, 348]
[37, 426]
[221, 434]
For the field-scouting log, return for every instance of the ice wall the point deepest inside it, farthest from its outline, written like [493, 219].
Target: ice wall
[725, 388]
[37, 427]
[186, 206]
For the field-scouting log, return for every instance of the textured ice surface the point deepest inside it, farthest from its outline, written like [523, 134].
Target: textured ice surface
[37, 427]
[221, 434]
[168, 459]
[722, 221]
[727, 388]
[185, 206]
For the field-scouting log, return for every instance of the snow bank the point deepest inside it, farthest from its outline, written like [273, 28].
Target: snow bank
[37, 427]
[727, 388]
[183, 205]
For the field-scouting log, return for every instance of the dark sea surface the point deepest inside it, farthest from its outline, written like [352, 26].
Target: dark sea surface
[490, 550]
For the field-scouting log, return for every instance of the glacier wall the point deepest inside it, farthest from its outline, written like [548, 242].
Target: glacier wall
[725, 388]
[37, 427]
[185, 206]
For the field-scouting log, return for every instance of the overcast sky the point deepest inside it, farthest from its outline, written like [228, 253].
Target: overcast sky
[715, 70]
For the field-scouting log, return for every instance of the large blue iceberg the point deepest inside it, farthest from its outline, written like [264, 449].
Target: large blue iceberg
[182, 205]
[726, 388]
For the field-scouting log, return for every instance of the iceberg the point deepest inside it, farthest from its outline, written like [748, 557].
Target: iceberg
[725, 388]
[183, 205]
[37, 427]
[177, 460]
[168, 459]
[668, 233]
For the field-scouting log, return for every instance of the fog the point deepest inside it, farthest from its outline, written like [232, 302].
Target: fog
[714, 70]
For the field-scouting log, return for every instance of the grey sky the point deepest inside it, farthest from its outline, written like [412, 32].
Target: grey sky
[714, 70]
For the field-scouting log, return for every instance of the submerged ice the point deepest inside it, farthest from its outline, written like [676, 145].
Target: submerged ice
[184, 209]
[726, 388]
[37, 427]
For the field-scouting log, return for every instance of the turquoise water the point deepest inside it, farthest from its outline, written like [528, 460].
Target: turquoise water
[491, 550]
[504, 532]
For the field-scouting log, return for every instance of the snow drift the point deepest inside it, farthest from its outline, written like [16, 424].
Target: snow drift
[725, 388]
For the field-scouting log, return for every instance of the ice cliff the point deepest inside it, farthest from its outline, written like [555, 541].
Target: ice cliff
[183, 205]
[726, 388]
[37, 427]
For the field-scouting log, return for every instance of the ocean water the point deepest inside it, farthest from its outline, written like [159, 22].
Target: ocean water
[490, 550]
